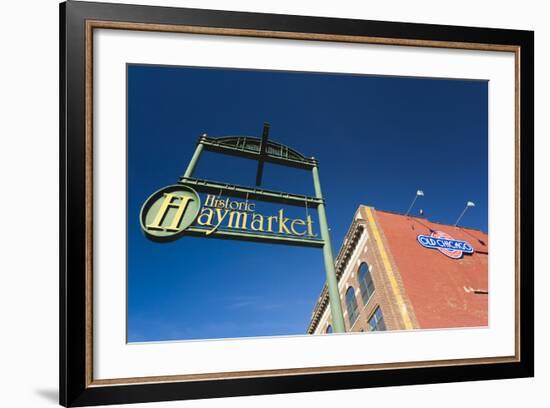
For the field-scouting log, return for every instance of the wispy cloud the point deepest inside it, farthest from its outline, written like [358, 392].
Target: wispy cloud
[253, 302]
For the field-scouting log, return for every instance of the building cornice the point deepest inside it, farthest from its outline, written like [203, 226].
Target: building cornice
[351, 239]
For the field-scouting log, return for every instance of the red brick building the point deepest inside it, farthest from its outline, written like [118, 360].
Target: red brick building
[389, 281]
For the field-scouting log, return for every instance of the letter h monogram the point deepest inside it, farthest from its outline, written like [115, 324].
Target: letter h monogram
[168, 203]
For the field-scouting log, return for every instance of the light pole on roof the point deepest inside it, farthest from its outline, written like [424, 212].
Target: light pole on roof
[419, 193]
[468, 205]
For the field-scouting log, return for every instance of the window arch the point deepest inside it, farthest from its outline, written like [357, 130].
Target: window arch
[351, 304]
[366, 283]
[329, 329]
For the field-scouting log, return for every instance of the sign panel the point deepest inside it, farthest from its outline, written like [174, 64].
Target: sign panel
[169, 212]
[445, 244]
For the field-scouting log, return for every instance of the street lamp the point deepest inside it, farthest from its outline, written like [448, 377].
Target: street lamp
[468, 205]
[419, 193]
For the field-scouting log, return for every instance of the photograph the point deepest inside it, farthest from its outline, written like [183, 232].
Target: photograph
[292, 203]
[256, 203]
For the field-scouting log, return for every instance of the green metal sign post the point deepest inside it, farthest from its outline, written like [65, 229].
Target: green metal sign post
[194, 160]
[262, 150]
[332, 283]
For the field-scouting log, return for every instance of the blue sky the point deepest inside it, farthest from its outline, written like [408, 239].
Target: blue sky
[377, 139]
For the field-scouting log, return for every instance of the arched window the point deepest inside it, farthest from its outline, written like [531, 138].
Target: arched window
[376, 322]
[351, 304]
[365, 282]
[329, 329]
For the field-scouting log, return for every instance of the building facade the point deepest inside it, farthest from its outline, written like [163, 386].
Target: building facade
[391, 277]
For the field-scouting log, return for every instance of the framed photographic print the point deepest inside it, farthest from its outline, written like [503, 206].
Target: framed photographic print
[255, 203]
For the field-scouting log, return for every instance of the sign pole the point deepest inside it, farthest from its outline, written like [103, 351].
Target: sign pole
[194, 160]
[332, 283]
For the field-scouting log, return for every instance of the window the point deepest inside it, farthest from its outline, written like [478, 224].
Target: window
[376, 322]
[351, 304]
[365, 282]
[329, 329]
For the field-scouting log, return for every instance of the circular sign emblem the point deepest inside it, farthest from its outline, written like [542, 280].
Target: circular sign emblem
[169, 211]
[451, 253]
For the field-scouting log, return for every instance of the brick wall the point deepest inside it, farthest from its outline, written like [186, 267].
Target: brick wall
[435, 291]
